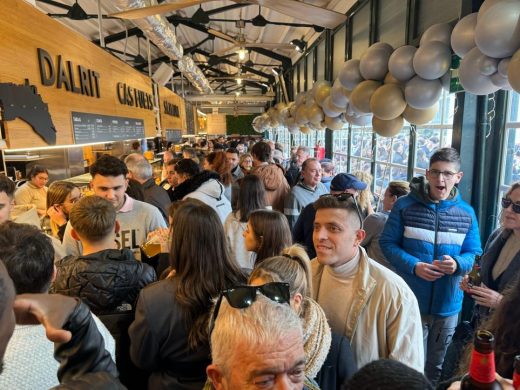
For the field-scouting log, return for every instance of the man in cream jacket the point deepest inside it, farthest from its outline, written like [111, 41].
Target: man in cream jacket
[363, 300]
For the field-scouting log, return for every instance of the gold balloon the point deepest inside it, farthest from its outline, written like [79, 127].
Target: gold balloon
[387, 102]
[360, 97]
[333, 123]
[387, 128]
[389, 79]
[513, 71]
[305, 129]
[420, 117]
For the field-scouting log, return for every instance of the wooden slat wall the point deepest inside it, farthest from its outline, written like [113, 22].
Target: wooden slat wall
[168, 121]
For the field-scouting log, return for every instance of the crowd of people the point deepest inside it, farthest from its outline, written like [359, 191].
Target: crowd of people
[272, 273]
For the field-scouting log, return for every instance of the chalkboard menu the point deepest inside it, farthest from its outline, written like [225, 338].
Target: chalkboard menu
[174, 136]
[104, 128]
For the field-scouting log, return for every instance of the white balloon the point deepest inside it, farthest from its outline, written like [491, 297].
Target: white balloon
[438, 32]
[487, 65]
[400, 63]
[471, 79]
[486, 5]
[463, 35]
[362, 120]
[330, 109]
[432, 60]
[338, 94]
[503, 65]
[501, 81]
[349, 75]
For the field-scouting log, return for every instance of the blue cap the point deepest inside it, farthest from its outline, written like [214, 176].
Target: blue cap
[345, 181]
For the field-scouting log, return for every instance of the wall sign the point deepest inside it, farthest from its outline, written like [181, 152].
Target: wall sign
[104, 128]
[134, 97]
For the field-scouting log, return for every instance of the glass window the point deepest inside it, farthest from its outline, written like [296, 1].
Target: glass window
[340, 149]
[321, 61]
[302, 76]
[310, 70]
[295, 81]
[360, 31]
[361, 149]
[392, 22]
[511, 168]
[339, 51]
[391, 159]
[439, 11]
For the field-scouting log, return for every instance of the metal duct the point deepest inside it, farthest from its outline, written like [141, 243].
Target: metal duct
[159, 31]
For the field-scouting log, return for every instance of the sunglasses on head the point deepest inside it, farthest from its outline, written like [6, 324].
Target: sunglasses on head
[508, 202]
[241, 297]
[344, 197]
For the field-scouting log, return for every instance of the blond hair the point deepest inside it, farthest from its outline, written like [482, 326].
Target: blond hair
[365, 197]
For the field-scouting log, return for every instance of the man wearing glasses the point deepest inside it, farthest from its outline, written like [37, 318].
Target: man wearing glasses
[431, 238]
[365, 301]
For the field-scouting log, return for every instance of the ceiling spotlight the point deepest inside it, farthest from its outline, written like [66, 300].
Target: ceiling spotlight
[237, 93]
[200, 16]
[242, 54]
[239, 81]
[318, 29]
[76, 12]
[299, 45]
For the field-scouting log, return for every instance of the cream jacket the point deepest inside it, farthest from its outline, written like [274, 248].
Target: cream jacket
[384, 320]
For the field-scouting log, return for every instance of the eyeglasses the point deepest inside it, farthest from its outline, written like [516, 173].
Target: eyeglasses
[448, 175]
[508, 202]
[241, 297]
[344, 197]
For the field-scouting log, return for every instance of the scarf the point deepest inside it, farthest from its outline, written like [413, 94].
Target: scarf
[316, 337]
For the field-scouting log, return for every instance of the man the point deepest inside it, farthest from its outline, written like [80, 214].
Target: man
[28, 255]
[369, 304]
[308, 189]
[136, 219]
[271, 175]
[293, 173]
[7, 188]
[170, 182]
[431, 238]
[232, 160]
[90, 276]
[303, 229]
[84, 363]
[167, 156]
[375, 222]
[260, 346]
[142, 172]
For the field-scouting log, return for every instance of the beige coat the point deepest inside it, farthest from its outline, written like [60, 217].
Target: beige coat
[384, 320]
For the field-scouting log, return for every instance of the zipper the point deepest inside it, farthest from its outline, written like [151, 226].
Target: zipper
[434, 252]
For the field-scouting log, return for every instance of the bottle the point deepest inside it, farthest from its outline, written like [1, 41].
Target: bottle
[474, 278]
[516, 373]
[481, 373]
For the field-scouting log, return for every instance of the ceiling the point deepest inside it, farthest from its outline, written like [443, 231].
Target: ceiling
[125, 41]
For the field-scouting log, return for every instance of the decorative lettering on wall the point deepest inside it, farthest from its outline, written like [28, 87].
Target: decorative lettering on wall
[64, 74]
[171, 109]
[134, 97]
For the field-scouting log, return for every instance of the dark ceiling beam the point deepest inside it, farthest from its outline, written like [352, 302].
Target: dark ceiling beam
[120, 35]
[268, 22]
[226, 8]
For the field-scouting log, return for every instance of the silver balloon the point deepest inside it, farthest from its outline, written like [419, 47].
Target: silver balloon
[333, 123]
[400, 63]
[383, 46]
[503, 65]
[487, 65]
[374, 64]
[438, 32]
[470, 77]
[349, 75]
[320, 90]
[300, 115]
[420, 93]
[497, 33]
[338, 94]
[330, 109]
[501, 81]
[432, 60]
[315, 114]
[463, 35]
[486, 5]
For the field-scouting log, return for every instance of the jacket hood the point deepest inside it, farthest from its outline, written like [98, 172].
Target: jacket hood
[192, 184]
[420, 190]
[272, 176]
[212, 188]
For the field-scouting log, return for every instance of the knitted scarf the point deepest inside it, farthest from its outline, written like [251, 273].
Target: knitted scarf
[316, 337]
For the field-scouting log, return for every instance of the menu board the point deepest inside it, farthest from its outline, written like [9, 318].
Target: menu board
[90, 128]
[174, 136]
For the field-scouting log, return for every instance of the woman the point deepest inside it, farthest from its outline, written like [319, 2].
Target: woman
[365, 199]
[267, 232]
[500, 262]
[217, 162]
[329, 356]
[246, 163]
[34, 191]
[169, 335]
[61, 196]
[319, 151]
[251, 197]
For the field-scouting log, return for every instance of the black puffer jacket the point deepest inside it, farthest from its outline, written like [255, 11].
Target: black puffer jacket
[103, 280]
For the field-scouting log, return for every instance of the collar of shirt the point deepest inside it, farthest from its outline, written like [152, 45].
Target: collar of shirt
[128, 205]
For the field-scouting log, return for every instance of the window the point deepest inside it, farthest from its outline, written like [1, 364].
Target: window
[310, 70]
[339, 51]
[392, 19]
[340, 149]
[302, 76]
[360, 31]
[391, 159]
[321, 61]
[511, 168]
[433, 12]
[295, 81]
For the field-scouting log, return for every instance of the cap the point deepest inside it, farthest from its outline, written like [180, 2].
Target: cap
[345, 181]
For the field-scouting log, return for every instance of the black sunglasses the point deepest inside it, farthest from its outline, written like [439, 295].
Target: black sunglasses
[241, 297]
[344, 197]
[508, 202]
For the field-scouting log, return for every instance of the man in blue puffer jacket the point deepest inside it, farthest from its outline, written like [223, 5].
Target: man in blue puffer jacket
[431, 238]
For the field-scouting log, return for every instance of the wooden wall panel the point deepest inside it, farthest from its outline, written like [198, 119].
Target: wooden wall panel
[169, 121]
[23, 29]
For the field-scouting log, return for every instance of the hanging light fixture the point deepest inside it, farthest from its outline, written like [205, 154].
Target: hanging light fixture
[200, 16]
[299, 45]
[239, 80]
[242, 54]
[76, 12]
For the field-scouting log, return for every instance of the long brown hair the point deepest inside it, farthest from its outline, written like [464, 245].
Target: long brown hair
[200, 257]
[57, 194]
[219, 164]
[272, 231]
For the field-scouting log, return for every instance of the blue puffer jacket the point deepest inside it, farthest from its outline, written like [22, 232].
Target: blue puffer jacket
[420, 230]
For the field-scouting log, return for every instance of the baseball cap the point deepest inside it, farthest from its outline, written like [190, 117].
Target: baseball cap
[344, 181]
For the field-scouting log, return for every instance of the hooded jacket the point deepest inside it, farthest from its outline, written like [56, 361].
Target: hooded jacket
[421, 230]
[103, 280]
[275, 184]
